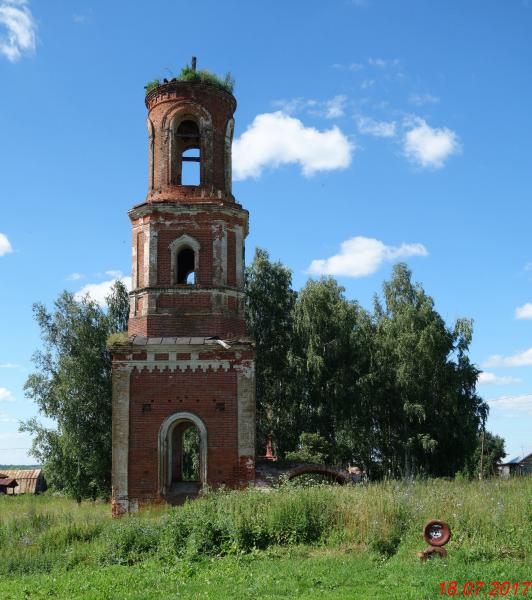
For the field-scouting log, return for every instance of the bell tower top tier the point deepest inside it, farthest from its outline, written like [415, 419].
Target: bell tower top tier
[190, 129]
[188, 241]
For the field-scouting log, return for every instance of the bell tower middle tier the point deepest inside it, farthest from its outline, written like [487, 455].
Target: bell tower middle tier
[188, 236]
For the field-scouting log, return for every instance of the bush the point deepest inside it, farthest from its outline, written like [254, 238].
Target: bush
[228, 522]
[152, 85]
[203, 75]
[197, 528]
[130, 540]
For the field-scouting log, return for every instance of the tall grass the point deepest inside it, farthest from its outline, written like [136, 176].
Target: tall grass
[488, 520]
[38, 533]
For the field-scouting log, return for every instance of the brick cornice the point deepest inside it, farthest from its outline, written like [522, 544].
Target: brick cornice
[186, 289]
[176, 90]
[179, 208]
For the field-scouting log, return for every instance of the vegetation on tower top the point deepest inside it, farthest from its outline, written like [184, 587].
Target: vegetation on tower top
[190, 74]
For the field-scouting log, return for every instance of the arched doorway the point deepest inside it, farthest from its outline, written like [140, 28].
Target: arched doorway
[182, 455]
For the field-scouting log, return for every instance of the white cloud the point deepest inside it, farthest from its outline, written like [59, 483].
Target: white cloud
[361, 256]
[382, 129]
[10, 366]
[422, 99]
[6, 395]
[330, 109]
[382, 63]
[75, 276]
[114, 273]
[520, 359]
[354, 66]
[521, 403]
[334, 108]
[5, 245]
[294, 105]
[487, 378]
[427, 146]
[82, 17]
[5, 418]
[99, 291]
[19, 35]
[274, 139]
[367, 84]
[524, 312]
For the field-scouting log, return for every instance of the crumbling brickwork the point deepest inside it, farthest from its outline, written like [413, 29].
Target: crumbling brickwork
[187, 361]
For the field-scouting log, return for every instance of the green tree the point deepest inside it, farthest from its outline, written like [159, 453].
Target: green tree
[312, 448]
[269, 315]
[117, 308]
[328, 358]
[393, 391]
[72, 388]
[423, 382]
[489, 451]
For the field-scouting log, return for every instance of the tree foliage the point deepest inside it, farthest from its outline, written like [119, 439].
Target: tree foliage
[489, 451]
[312, 448]
[392, 390]
[72, 389]
[430, 413]
[269, 314]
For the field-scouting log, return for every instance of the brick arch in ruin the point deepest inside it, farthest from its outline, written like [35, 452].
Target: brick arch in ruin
[339, 475]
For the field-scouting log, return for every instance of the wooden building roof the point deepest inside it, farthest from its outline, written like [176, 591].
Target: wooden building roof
[27, 479]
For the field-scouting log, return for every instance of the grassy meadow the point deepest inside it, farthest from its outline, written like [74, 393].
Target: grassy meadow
[293, 542]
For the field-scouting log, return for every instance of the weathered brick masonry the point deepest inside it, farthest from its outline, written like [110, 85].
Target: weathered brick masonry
[187, 360]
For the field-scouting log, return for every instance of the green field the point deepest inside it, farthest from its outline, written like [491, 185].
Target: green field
[314, 542]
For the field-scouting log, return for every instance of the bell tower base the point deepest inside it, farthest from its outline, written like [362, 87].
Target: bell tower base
[161, 382]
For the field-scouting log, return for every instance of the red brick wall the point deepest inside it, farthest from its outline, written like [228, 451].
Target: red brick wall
[212, 395]
[225, 327]
[191, 301]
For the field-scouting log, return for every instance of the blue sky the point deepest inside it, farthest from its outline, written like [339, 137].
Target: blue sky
[367, 132]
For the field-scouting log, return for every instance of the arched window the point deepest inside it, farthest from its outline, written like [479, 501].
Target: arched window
[188, 155]
[184, 260]
[185, 267]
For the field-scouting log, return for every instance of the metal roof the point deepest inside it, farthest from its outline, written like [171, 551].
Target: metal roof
[140, 340]
[7, 482]
[26, 479]
[516, 460]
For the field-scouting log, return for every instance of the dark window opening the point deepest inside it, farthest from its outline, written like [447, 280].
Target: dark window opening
[185, 267]
[189, 155]
[188, 132]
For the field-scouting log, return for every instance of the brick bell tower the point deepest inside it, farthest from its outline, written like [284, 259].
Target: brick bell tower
[187, 365]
